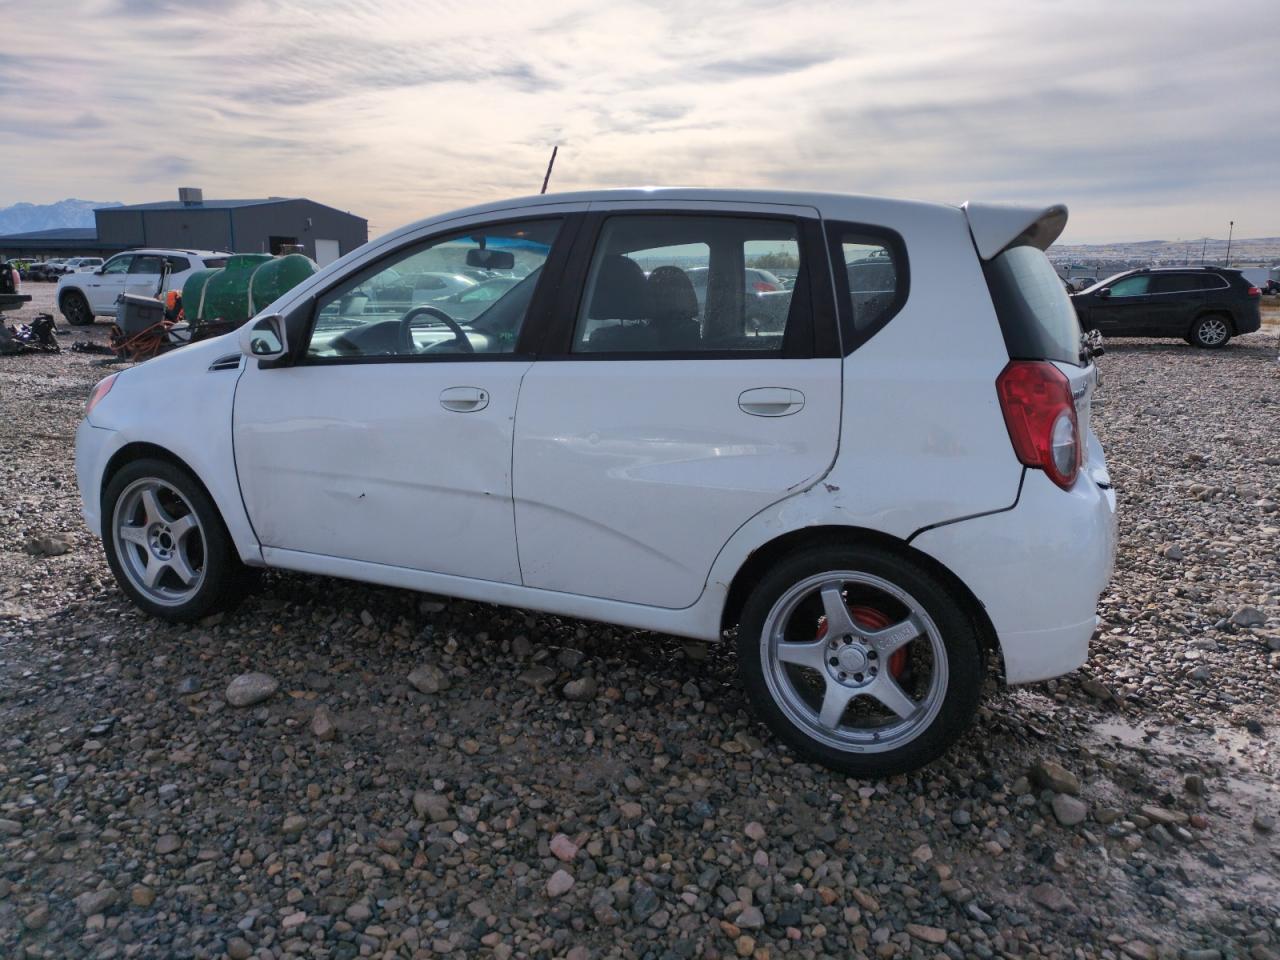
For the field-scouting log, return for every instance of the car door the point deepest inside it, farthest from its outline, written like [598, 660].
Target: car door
[104, 287]
[144, 275]
[1121, 312]
[656, 422]
[388, 440]
[1173, 299]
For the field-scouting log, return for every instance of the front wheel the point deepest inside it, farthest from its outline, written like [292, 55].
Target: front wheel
[76, 309]
[1211, 331]
[166, 543]
[860, 659]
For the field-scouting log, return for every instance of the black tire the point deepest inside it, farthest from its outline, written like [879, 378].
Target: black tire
[76, 309]
[221, 576]
[1211, 331]
[955, 704]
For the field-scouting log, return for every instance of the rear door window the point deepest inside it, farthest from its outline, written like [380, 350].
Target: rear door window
[147, 263]
[691, 285]
[1035, 313]
[1174, 283]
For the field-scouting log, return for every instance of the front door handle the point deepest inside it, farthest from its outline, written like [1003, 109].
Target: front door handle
[464, 399]
[771, 401]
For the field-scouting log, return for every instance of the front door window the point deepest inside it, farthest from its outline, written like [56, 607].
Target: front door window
[410, 305]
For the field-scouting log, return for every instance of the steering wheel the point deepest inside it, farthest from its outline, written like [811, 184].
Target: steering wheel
[407, 345]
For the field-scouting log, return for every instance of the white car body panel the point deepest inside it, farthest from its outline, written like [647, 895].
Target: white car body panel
[631, 474]
[922, 454]
[362, 462]
[175, 402]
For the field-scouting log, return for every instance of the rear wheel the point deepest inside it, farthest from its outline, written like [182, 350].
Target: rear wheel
[166, 543]
[1211, 331]
[76, 309]
[860, 659]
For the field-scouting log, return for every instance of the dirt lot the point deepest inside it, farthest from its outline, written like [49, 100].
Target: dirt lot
[352, 815]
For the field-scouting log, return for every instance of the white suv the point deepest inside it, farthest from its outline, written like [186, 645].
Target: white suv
[83, 295]
[894, 487]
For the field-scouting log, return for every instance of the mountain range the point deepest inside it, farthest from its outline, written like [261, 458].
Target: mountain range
[30, 217]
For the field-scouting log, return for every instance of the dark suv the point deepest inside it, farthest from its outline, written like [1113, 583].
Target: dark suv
[1206, 306]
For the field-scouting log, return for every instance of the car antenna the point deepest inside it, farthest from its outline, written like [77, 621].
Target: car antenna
[550, 163]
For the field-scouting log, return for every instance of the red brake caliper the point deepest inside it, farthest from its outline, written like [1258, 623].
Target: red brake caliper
[870, 618]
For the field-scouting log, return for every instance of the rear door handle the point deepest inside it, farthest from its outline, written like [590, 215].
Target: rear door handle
[464, 399]
[771, 401]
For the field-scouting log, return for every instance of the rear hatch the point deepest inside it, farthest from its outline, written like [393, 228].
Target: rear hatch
[1040, 324]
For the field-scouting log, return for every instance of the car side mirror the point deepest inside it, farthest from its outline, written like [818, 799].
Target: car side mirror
[1104, 293]
[264, 338]
[98, 272]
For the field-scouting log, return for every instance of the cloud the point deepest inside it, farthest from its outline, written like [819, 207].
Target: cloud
[397, 108]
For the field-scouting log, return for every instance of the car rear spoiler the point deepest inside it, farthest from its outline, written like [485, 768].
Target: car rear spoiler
[996, 227]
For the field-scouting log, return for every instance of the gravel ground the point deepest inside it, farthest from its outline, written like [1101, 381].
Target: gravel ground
[551, 788]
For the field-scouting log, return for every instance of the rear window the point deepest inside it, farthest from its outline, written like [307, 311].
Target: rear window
[1036, 316]
[214, 263]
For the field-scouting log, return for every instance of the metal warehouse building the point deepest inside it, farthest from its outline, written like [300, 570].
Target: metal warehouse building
[193, 223]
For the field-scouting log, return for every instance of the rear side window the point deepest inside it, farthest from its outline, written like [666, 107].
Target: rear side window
[1036, 316]
[1211, 281]
[692, 285]
[1175, 283]
[870, 269]
[215, 263]
[147, 264]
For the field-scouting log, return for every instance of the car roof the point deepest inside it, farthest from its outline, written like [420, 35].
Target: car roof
[993, 226]
[174, 250]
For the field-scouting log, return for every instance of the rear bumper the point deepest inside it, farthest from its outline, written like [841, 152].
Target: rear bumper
[1249, 320]
[1038, 569]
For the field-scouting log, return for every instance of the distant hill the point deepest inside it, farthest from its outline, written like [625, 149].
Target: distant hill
[29, 217]
[1085, 257]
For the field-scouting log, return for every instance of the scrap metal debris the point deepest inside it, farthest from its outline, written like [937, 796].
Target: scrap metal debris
[38, 336]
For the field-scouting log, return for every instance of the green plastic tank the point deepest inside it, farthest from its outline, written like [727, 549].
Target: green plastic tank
[244, 286]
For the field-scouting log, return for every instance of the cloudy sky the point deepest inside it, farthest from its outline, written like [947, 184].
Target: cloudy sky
[1152, 119]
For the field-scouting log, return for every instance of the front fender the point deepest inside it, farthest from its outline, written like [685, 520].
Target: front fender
[177, 403]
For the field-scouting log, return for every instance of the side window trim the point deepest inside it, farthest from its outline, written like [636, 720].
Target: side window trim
[811, 290]
[837, 232]
[525, 340]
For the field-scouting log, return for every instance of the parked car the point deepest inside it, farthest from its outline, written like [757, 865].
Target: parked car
[1206, 306]
[46, 270]
[875, 504]
[82, 265]
[83, 296]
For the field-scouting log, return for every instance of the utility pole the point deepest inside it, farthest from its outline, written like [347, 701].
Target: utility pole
[1231, 228]
[1203, 247]
[550, 163]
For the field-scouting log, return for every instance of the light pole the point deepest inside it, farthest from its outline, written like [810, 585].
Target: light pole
[1231, 228]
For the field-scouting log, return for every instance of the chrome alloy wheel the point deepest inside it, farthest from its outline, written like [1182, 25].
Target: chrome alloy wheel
[159, 541]
[857, 687]
[1212, 331]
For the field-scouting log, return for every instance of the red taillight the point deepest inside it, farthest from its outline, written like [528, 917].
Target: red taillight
[1035, 397]
[1255, 292]
[102, 388]
[763, 287]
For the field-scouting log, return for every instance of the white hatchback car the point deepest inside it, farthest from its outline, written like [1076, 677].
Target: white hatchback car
[893, 487]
